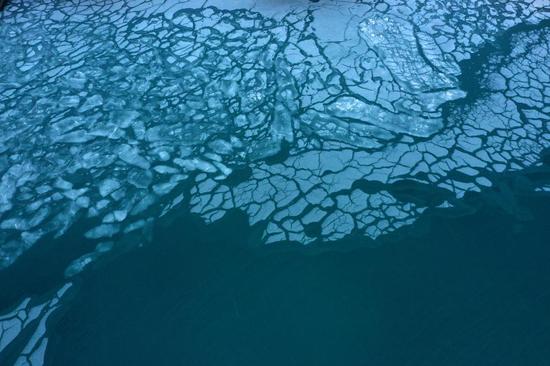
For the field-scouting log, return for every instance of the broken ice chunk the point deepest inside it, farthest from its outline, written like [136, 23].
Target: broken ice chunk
[140, 178]
[164, 155]
[120, 215]
[164, 169]
[91, 103]
[108, 186]
[75, 137]
[281, 126]
[79, 264]
[144, 204]
[124, 119]
[223, 168]
[194, 164]
[102, 231]
[69, 101]
[221, 147]
[14, 224]
[163, 188]
[62, 184]
[131, 156]
[353, 108]
[76, 80]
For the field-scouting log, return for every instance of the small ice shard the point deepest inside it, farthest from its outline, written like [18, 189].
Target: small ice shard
[143, 204]
[140, 178]
[120, 215]
[103, 231]
[62, 184]
[75, 137]
[162, 133]
[104, 247]
[76, 80]
[107, 186]
[101, 204]
[39, 216]
[281, 126]
[164, 169]
[135, 226]
[195, 164]
[223, 168]
[14, 224]
[163, 188]
[221, 147]
[124, 119]
[229, 88]
[73, 194]
[79, 264]
[69, 101]
[83, 201]
[29, 238]
[131, 156]
[91, 103]
[204, 166]
[213, 156]
[264, 149]
[164, 155]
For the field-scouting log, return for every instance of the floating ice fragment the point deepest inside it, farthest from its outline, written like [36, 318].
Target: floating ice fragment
[140, 178]
[75, 137]
[213, 156]
[124, 119]
[77, 80]
[194, 164]
[221, 147]
[103, 231]
[104, 247]
[415, 125]
[62, 184]
[90, 103]
[164, 155]
[131, 156]
[69, 101]
[83, 201]
[120, 215]
[223, 168]
[164, 169]
[163, 188]
[143, 204]
[281, 126]
[135, 226]
[14, 224]
[107, 186]
[29, 238]
[79, 264]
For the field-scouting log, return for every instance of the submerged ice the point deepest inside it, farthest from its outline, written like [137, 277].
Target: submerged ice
[118, 112]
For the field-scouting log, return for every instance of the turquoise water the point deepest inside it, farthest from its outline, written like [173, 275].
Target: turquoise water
[301, 183]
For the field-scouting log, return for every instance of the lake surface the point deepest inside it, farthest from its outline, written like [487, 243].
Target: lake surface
[296, 182]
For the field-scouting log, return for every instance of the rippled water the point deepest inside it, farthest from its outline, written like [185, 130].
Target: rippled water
[156, 156]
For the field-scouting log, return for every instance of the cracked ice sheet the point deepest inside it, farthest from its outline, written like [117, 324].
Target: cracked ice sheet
[110, 112]
[110, 108]
[29, 321]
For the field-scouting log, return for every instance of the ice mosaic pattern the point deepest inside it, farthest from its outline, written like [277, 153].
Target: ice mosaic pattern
[309, 117]
[29, 320]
